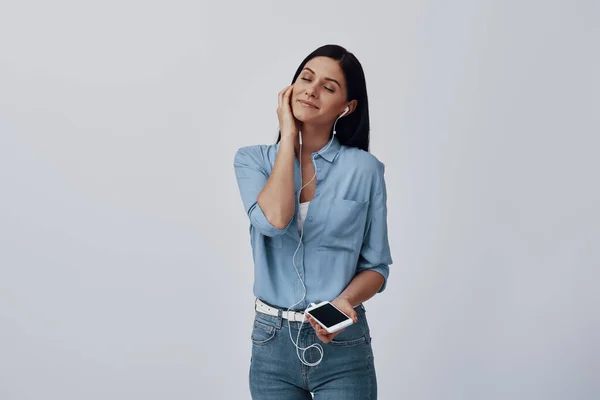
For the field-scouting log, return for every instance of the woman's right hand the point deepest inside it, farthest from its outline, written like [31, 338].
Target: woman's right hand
[287, 122]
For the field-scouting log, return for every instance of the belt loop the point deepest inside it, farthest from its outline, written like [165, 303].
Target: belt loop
[279, 318]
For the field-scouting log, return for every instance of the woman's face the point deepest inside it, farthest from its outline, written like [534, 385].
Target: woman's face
[322, 83]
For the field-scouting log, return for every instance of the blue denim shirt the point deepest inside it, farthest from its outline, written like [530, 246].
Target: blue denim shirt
[345, 230]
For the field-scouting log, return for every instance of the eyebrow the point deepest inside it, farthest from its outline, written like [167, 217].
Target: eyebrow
[326, 78]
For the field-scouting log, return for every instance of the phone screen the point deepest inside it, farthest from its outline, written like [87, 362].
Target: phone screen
[328, 315]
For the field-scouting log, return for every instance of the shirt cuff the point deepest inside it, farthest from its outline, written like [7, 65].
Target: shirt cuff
[260, 222]
[384, 270]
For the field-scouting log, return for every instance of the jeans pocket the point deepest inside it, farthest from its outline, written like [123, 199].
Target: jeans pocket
[351, 336]
[352, 342]
[355, 334]
[262, 333]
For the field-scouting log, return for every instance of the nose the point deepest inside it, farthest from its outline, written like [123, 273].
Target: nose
[310, 91]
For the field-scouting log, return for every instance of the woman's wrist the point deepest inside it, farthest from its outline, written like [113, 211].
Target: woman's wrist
[289, 136]
[288, 142]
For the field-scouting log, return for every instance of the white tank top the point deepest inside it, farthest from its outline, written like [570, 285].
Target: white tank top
[303, 209]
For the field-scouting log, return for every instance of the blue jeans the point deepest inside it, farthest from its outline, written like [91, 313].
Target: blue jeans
[346, 371]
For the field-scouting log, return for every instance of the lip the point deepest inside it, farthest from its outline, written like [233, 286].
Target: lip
[308, 103]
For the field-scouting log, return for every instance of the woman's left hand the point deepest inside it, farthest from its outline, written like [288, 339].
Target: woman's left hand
[344, 305]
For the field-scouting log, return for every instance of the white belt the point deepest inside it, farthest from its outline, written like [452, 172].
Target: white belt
[289, 315]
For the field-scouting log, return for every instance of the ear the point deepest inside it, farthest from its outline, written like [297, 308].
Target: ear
[352, 105]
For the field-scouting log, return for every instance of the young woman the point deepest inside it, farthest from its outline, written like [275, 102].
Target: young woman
[316, 200]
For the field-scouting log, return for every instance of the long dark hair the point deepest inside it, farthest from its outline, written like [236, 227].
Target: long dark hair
[352, 130]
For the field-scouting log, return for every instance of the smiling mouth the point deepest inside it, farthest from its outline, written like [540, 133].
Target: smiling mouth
[308, 105]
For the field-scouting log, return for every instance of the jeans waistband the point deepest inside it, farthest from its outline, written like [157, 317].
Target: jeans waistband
[361, 306]
[279, 320]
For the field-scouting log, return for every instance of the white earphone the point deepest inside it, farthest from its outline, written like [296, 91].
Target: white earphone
[341, 115]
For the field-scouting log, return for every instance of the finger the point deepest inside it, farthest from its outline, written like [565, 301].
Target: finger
[281, 95]
[315, 325]
[323, 338]
[332, 335]
[280, 98]
[284, 90]
[287, 94]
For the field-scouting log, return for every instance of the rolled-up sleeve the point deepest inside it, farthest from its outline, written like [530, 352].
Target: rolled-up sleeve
[251, 178]
[375, 254]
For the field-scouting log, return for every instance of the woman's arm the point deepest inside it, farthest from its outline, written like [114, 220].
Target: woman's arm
[268, 196]
[372, 270]
[362, 287]
[277, 198]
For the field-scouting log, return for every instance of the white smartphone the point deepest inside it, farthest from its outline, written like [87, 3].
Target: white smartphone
[329, 316]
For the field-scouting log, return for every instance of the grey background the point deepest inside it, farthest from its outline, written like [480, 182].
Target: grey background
[125, 266]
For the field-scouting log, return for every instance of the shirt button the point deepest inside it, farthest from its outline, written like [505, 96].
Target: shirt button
[310, 219]
[318, 169]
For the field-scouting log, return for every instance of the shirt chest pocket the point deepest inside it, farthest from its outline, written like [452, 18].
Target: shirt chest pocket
[344, 225]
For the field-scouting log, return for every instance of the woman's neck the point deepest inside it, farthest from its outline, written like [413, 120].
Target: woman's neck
[314, 138]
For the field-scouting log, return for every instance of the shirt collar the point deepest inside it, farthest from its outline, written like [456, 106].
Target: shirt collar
[332, 150]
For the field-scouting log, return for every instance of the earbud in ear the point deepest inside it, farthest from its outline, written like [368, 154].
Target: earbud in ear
[344, 113]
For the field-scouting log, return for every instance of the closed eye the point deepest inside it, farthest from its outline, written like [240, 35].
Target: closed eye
[326, 88]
